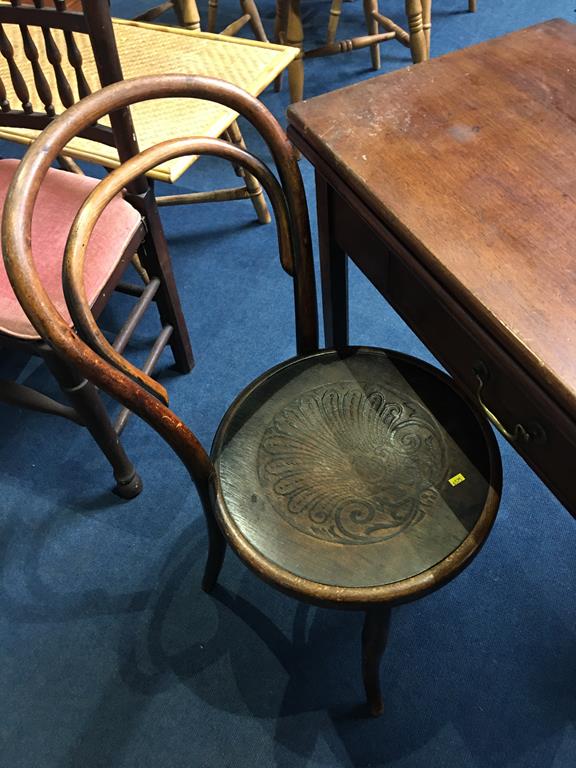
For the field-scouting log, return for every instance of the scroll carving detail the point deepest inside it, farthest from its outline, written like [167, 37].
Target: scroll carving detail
[352, 463]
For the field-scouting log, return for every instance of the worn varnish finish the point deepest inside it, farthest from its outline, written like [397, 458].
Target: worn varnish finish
[452, 186]
[356, 478]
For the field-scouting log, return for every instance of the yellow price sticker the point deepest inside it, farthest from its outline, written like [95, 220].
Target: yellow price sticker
[457, 479]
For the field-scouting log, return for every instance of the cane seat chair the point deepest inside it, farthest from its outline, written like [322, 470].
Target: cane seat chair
[356, 478]
[143, 49]
[131, 230]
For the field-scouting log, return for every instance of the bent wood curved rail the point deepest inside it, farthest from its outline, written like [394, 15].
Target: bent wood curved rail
[294, 236]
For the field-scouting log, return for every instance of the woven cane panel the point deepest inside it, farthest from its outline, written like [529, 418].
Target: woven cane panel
[147, 49]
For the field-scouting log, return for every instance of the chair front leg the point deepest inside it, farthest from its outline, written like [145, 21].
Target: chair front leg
[295, 37]
[250, 7]
[188, 13]
[87, 403]
[371, 6]
[333, 20]
[427, 23]
[374, 640]
[418, 47]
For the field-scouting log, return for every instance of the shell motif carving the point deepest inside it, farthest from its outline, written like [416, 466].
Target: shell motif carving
[352, 463]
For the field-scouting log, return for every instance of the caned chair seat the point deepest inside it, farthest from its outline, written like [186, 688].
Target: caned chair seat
[154, 49]
[355, 476]
[61, 196]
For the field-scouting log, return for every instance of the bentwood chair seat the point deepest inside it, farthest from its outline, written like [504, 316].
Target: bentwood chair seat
[356, 478]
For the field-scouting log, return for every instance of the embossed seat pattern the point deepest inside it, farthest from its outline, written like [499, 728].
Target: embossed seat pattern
[357, 450]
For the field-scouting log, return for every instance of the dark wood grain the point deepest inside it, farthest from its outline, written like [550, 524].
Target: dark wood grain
[451, 185]
[469, 160]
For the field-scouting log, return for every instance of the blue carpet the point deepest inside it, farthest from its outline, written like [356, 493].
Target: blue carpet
[112, 657]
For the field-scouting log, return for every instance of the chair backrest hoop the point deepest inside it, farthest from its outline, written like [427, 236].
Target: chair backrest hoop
[16, 239]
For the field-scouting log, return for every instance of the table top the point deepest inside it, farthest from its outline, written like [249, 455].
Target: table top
[155, 49]
[469, 160]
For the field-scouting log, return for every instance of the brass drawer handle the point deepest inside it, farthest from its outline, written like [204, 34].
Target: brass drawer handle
[531, 433]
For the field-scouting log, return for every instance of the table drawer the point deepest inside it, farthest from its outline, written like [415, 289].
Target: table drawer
[544, 435]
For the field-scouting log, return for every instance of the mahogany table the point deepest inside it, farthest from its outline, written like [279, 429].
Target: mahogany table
[452, 186]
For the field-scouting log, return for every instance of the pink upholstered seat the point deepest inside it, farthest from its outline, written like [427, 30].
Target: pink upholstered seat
[60, 198]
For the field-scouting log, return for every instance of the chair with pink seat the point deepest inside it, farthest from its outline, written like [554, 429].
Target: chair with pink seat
[131, 232]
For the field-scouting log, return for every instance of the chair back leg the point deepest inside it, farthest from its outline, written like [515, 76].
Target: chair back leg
[87, 403]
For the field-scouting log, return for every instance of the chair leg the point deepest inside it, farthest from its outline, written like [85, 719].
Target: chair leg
[216, 553]
[295, 37]
[472, 5]
[416, 25]
[427, 23]
[155, 259]
[370, 6]
[212, 16]
[252, 184]
[374, 639]
[188, 15]
[333, 20]
[250, 7]
[87, 403]
[280, 33]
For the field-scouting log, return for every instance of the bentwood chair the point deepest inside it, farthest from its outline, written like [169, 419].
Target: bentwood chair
[131, 226]
[288, 29]
[144, 49]
[356, 478]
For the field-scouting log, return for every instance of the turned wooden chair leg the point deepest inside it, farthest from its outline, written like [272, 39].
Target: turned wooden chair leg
[87, 403]
[295, 37]
[250, 7]
[188, 15]
[427, 23]
[212, 16]
[252, 184]
[333, 20]
[374, 639]
[280, 21]
[472, 5]
[416, 26]
[371, 6]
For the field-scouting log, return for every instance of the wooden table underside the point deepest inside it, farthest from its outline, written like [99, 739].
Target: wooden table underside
[458, 203]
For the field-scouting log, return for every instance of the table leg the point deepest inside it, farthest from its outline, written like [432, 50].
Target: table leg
[334, 271]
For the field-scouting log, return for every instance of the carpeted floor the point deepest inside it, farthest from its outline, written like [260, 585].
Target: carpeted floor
[112, 657]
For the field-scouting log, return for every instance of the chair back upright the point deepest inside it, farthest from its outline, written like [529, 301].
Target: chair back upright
[43, 51]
